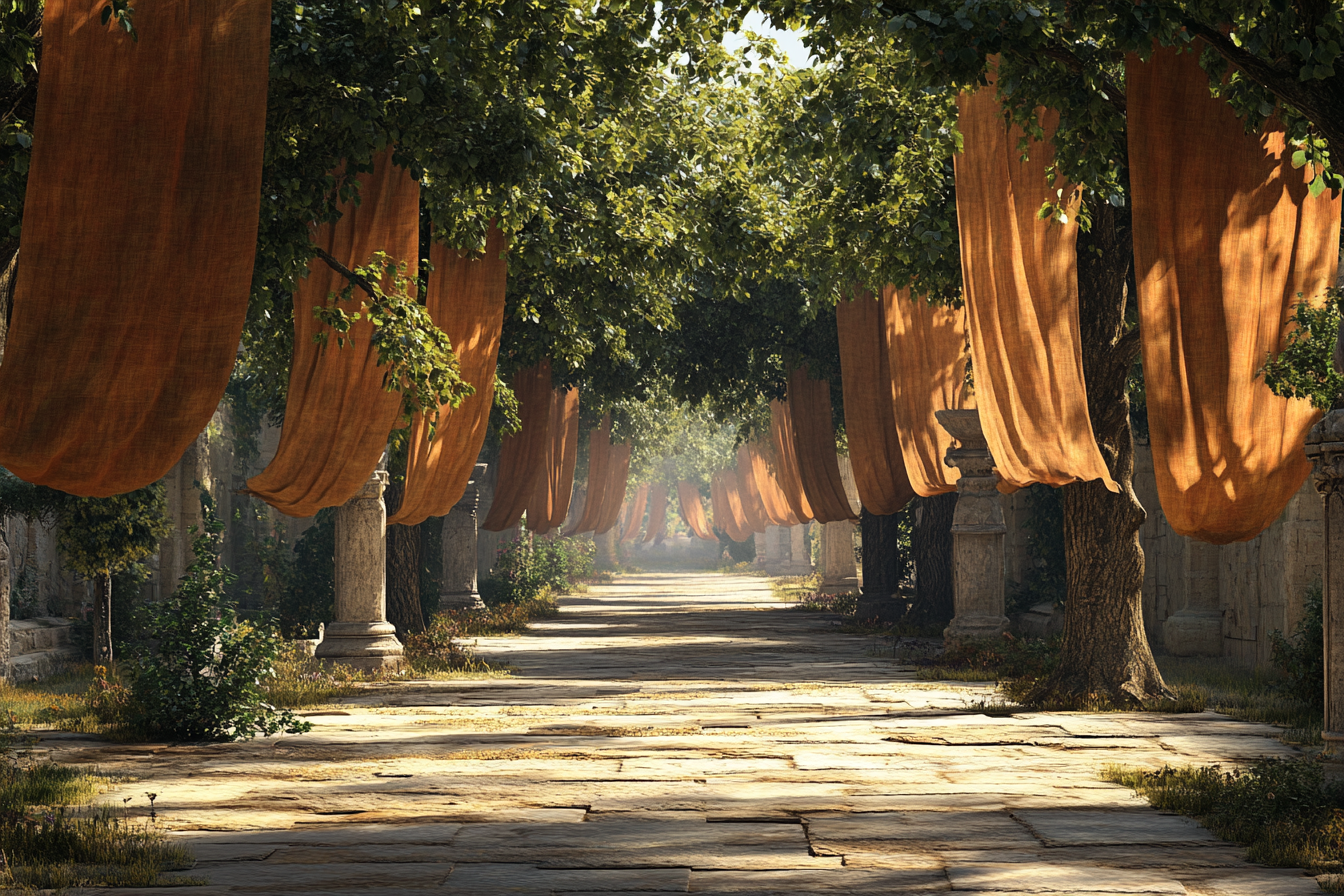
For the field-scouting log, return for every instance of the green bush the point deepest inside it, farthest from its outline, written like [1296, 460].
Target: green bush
[1301, 658]
[203, 677]
[531, 568]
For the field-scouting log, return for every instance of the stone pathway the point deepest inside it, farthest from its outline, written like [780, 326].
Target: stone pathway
[683, 733]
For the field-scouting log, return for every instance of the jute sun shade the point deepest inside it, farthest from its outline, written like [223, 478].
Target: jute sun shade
[555, 480]
[867, 379]
[814, 443]
[786, 461]
[926, 347]
[657, 527]
[693, 510]
[727, 503]
[465, 298]
[1021, 286]
[338, 413]
[635, 518]
[139, 232]
[773, 500]
[753, 504]
[1226, 236]
[599, 459]
[522, 454]
[613, 497]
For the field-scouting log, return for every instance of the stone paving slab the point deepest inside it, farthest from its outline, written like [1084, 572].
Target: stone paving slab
[683, 734]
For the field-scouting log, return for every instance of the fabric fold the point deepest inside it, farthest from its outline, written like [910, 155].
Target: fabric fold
[786, 461]
[549, 505]
[753, 506]
[635, 520]
[338, 412]
[814, 444]
[773, 500]
[1020, 282]
[727, 504]
[618, 474]
[138, 239]
[465, 299]
[657, 527]
[693, 511]
[523, 454]
[599, 459]
[1226, 236]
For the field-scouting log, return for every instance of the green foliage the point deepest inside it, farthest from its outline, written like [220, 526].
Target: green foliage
[305, 592]
[1046, 579]
[439, 647]
[105, 536]
[302, 680]
[1301, 658]
[999, 659]
[1305, 368]
[202, 679]
[531, 568]
[1282, 810]
[1253, 695]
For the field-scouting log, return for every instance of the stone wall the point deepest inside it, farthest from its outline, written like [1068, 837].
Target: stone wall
[1201, 599]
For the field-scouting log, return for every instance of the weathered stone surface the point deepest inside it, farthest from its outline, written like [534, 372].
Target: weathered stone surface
[1071, 827]
[1040, 878]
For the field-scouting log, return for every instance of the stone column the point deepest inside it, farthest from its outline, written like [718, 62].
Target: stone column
[1197, 628]
[840, 573]
[1325, 446]
[776, 550]
[361, 636]
[458, 591]
[977, 533]
[800, 559]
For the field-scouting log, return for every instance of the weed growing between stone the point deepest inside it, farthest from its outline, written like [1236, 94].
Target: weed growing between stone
[1252, 695]
[1282, 811]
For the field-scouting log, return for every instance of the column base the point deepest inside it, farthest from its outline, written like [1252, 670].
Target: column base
[968, 628]
[1194, 633]
[366, 646]
[461, 600]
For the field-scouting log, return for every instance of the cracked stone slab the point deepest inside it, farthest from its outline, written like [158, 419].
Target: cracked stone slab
[1038, 877]
[505, 879]
[1071, 827]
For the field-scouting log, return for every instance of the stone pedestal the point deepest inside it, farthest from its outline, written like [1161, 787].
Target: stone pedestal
[800, 560]
[361, 636]
[1325, 446]
[460, 558]
[977, 533]
[1197, 628]
[840, 574]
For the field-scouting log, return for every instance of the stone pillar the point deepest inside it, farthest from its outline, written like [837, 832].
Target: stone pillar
[800, 559]
[1325, 446]
[361, 636]
[840, 574]
[777, 550]
[460, 557]
[977, 532]
[1197, 628]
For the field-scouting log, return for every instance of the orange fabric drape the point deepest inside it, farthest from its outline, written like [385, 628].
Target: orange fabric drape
[139, 231]
[636, 518]
[618, 473]
[465, 298]
[1225, 237]
[523, 454]
[786, 457]
[599, 459]
[773, 500]
[727, 503]
[870, 419]
[814, 443]
[555, 480]
[657, 527]
[927, 352]
[753, 505]
[693, 511]
[1021, 286]
[338, 414]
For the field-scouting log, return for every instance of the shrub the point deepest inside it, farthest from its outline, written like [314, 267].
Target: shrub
[1301, 658]
[203, 678]
[530, 568]
[437, 648]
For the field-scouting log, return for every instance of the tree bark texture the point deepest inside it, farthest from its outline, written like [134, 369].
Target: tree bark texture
[1105, 652]
[932, 541]
[9, 271]
[403, 571]
[102, 620]
[882, 558]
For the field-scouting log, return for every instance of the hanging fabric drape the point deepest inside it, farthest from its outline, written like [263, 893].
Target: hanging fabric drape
[753, 506]
[786, 461]
[549, 504]
[926, 347]
[338, 414]
[870, 419]
[693, 511]
[814, 443]
[727, 504]
[1021, 286]
[618, 473]
[773, 500]
[657, 527]
[636, 518]
[1225, 238]
[523, 454]
[139, 232]
[599, 460]
[465, 299]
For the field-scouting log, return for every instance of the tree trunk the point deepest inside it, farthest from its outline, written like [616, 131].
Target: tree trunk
[1105, 652]
[102, 620]
[9, 272]
[933, 606]
[403, 571]
[879, 555]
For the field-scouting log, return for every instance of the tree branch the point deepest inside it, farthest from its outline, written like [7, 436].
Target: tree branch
[345, 271]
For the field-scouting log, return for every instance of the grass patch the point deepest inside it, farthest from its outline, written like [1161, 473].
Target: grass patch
[1252, 695]
[1280, 810]
[745, 568]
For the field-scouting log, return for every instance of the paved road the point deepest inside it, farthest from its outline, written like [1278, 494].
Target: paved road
[683, 733]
